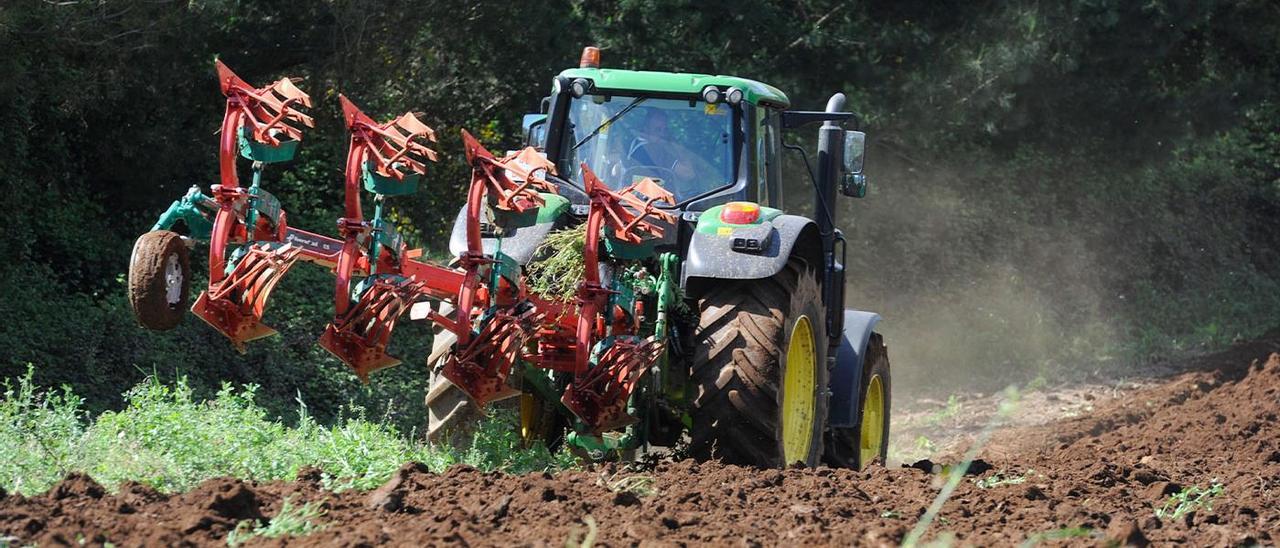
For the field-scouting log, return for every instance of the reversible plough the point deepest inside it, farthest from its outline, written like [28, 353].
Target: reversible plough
[497, 320]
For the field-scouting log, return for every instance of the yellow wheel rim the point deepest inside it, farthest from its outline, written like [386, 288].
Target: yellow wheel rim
[871, 438]
[798, 393]
[528, 416]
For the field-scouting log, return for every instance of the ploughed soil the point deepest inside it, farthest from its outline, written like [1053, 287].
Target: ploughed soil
[1095, 478]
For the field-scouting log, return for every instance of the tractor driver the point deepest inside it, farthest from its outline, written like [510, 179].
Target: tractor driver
[677, 167]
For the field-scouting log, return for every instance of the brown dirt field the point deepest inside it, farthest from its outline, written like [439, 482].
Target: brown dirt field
[1105, 470]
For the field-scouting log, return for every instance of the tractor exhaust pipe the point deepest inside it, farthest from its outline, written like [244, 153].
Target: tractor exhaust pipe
[830, 136]
[830, 152]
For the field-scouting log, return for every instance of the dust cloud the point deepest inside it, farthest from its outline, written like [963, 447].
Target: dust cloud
[975, 292]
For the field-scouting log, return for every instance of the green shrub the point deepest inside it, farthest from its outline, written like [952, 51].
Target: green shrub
[40, 436]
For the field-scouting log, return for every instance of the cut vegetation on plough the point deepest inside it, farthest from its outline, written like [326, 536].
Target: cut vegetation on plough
[699, 311]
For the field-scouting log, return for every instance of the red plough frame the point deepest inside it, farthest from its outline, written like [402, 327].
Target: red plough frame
[496, 321]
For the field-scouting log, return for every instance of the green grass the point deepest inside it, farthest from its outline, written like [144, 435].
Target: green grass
[291, 521]
[1189, 500]
[166, 438]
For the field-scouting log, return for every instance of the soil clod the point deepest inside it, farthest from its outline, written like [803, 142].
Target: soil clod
[78, 485]
[1126, 533]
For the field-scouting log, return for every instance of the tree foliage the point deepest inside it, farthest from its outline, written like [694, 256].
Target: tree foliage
[1104, 171]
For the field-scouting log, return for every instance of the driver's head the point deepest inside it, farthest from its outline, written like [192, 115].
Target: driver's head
[655, 124]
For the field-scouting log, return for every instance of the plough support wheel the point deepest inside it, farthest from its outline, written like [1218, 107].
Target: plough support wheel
[159, 280]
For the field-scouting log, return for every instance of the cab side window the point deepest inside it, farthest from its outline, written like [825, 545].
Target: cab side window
[768, 169]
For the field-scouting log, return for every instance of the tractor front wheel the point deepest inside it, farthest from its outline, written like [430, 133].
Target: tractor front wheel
[761, 371]
[868, 440]
[159, 280]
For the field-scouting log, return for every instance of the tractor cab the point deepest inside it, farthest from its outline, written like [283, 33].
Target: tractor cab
[687, 147]
[706, 139]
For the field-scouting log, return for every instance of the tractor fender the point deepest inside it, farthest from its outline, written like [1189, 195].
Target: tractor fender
[846, 378]
[711, 256]
[519, 243]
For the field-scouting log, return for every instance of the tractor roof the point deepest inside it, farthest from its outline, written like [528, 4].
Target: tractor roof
[673, 82]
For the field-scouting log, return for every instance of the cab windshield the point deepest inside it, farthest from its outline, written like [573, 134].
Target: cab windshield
[686, 146]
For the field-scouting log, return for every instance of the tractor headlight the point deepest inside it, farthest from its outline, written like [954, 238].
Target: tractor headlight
[711, 95]
[579, 87]
[733, 96]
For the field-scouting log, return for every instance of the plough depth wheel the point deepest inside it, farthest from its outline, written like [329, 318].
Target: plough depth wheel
[159, 280]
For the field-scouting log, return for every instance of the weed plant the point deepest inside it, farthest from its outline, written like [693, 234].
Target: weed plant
[1189, 500]
[999, 478]
[557, 271]
[291, 521]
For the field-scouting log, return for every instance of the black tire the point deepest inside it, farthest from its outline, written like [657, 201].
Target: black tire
[451, 415]
[159, 280]
[546, 425]
[744, 330]
[844, 444]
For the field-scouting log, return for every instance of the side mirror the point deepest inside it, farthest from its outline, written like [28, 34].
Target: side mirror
[535, 130]
[855, 148]
[852, 182]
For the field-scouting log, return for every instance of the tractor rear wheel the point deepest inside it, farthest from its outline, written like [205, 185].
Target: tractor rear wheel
[450, 413]
[761, 371]
[452, 416]
[868, 440]
[159, 280]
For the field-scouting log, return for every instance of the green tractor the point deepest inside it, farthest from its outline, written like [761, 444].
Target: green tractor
[762, 362]
[629, 276]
